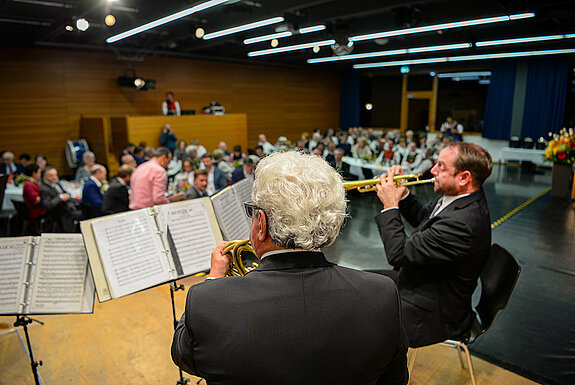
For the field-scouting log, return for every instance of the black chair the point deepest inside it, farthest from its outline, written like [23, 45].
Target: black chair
[498, 280]
[29, 226]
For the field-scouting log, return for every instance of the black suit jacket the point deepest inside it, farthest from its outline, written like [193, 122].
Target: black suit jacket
[63, 213]
[238, 175]
[296, 319]
[439, 264]
[344, 171]
[117, 198]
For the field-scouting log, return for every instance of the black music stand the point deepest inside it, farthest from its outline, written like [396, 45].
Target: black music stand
[23, 321]
[174, 286]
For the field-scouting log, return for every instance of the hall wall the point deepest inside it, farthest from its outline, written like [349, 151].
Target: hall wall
[44, 92]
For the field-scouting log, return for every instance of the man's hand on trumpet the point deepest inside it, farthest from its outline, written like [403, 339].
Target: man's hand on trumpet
[220, 261]
[387, 191]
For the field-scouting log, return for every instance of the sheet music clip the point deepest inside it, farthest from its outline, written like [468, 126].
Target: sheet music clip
[30, 263]
[32, 243]
[26, 283]
[153, 212]
[159, 232]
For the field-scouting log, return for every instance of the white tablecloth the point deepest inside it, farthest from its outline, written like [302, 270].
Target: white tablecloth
[356, 165]
[15, 193]
[523, 154]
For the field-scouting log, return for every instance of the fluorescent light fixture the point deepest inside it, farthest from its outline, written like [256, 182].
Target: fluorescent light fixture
[164, 20]
[245, 27]
[465, 58]
[389, 53]
[436, 27]
[315, 28]
[259, 39]
[518, 40]
[291, 48]
[485, 81]
[465, 78]
[463, 74]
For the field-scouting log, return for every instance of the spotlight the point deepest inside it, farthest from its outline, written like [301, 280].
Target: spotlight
[69, 28]
[316, 49]
[404, 70]
[275, 43]
[200, 33]
[110, 20]
[369, 106]
[139, 83]
[432, 74]
[82, 24]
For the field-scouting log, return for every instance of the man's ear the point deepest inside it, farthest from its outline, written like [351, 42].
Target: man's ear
[262, 226]
[465, 178]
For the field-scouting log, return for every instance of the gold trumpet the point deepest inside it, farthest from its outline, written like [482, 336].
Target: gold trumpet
[400, 180]
[239, 250]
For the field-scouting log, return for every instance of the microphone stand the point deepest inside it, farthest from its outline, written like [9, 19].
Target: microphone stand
[24, 321]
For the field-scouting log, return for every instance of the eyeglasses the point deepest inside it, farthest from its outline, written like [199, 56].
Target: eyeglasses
[251, 208]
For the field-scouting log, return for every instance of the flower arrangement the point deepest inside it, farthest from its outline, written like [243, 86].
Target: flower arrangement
[561, 148]
[184, 187]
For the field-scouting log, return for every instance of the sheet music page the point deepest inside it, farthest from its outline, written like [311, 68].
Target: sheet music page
[231, 215]
[12, 268]
[89, 290]
[58, 285]
[194, 231]
[244, 189]
[131, 251]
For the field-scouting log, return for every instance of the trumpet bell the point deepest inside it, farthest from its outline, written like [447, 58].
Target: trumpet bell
[243, 255]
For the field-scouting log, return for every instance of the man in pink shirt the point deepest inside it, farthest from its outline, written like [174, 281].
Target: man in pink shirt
[150, 181]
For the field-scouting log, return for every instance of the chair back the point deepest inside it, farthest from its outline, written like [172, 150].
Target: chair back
[498, 280]
[3, 182]
[21, 209]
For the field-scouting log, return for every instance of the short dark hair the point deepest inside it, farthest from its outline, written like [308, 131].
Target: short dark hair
[237, 148]
[125, 170]
[31, 169]
[199, 172]
[474, 159]
[138, 149]
[161, 151]
[25, 156]
[48, 168]
[249, 162]
[207, 155]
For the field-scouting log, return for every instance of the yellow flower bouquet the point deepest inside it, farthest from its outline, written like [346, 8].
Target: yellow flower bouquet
[561, 148]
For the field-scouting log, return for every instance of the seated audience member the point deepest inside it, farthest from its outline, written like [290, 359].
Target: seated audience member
[447, 127]
[301, 146]
[318, 151]
[216, 177]
[238, 157]
[198, 188]
[200, 149]
[139, 155]
[24, 161]
[224, 147]
[31, 193]
[344, 144]
[83, 172]
[59, 205]
[92, 192]
[149, 153]
[314, 141]
[220, 162]
[168, 139]
[412, 158]
[8, 167]
[361, 149]
[438, 265]
[41, 161]
[149, 182]
[282, 144]
[340, 166]
[259, 151]
[267, 146]
[328, 152]
[180, 153]
[244, 171]
[426, 164]
[117, 198]
[303, 305]
[184, 178]
[130, 149]
[129, 161]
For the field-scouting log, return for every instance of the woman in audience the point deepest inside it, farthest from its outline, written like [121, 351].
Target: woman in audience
[180, 152]
[361, 149]
[41, 161]
[83, 173]
[220, 162]
[31, 192]
[238, 157]
[185, 177]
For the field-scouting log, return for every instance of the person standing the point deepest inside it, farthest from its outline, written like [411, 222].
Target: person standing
[171, 106]
[168, 139]
[149, 182]
[437, 267]
[313, 322]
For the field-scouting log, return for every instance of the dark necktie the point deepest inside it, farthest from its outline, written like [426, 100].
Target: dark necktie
[436, 208]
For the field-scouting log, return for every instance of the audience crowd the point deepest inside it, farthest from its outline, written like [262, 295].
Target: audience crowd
[143, 179]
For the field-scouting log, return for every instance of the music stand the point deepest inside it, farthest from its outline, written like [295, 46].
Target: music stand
[174, 286]
[23, 321]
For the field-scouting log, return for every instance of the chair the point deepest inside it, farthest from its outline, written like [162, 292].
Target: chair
[498, 280]
[29, 226]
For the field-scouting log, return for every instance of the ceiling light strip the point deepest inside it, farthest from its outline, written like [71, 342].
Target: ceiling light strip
[291, 48]
[390, 53]
[464, 58]
[518, 40]
[259, 39]
[314, 28]
[463, 74]
[164, 20]
[436, 27]
[241, 28]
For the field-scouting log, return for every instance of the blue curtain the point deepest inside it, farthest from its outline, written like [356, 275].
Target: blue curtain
[545, 96]
[350, 100]
[499, 104]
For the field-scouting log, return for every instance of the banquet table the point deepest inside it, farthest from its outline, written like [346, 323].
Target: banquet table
[13, 192]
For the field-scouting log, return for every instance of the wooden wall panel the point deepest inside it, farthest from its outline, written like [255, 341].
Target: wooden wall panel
[45, 92]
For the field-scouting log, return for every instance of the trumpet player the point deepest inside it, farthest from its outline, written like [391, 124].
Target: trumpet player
[297, 318]
[437, 267]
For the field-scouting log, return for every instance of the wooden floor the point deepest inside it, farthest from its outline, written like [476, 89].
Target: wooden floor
[127, 341]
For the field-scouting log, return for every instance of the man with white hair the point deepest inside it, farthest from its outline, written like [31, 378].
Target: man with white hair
[92, 192]
[303, 319]
[267, 146]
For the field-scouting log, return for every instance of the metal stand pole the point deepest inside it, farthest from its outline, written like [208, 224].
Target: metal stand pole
[173, 288]
[24, 321]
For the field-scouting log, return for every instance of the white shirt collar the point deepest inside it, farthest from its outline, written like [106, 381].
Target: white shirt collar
[282, 251]
[98, 183]
[449, 199]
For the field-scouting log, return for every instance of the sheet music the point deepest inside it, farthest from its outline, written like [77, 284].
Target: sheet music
[244, 190]
[58, 286]
[192, 232]
[231, 215]
[131, 252]
[12, 268]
